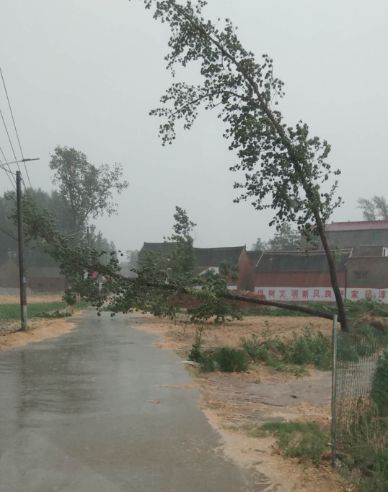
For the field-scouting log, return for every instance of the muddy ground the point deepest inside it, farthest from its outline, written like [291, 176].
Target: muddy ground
[234, 403]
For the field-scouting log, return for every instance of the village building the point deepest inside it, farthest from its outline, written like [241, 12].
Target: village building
[210, 259]
[357, 234]
[298, 276]
[39, 279]
[360, 250]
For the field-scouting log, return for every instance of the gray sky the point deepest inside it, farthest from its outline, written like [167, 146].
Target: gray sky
[85, 73]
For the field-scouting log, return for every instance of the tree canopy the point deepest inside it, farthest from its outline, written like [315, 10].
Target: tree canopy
[375, 208]
[285, 168]
[86, 189]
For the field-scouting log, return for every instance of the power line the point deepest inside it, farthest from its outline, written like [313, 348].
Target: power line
[14, 125]
[9, 139]
[9, 172]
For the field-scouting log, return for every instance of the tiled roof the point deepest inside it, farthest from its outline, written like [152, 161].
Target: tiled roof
[208, 257]
[278, 262]
[203, 257]
[363, 225]
[160, 248]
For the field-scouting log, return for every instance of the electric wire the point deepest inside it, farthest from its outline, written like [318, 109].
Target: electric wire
[12, 148]
[14, 125]
[9, 172]
[9, 139]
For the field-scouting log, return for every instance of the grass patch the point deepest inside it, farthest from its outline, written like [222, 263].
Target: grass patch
[304, 440]
[41, 310]
[309, 348]
[364, 447]
[354, 309]
[362, 341]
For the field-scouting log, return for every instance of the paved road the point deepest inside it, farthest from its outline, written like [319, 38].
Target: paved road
[92, 412]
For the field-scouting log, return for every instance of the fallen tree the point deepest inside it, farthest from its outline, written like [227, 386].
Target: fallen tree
[284, 167]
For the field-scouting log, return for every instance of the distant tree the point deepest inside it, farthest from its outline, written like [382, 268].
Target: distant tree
[285, 168]
[133, 259]
[35, 254]
[259, 245]
[182, 255]
[374, 209]
[286, 239]
[86, 189]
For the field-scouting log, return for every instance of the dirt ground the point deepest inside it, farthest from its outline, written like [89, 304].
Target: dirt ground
[234, 403]
[38, 330]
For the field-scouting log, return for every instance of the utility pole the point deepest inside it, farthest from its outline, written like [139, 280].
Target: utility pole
[22, 276]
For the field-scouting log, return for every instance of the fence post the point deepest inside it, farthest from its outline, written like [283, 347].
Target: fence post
[334, 394]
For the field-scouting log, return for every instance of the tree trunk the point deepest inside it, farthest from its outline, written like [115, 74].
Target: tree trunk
[290, 307]
[333, 276]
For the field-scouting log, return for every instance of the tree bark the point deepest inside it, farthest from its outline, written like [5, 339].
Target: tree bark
[290, 307]
[333, 277]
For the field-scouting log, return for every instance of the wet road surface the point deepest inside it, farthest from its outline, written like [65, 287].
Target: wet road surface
[92, 411]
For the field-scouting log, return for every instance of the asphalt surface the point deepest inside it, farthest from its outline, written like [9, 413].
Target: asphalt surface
[94, 411]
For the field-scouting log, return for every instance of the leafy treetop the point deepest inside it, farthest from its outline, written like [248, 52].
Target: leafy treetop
[374, 209]
[285, 167]
[86, 189]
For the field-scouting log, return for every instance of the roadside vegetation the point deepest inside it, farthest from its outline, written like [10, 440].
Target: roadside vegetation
[303, 440]
[35, 310]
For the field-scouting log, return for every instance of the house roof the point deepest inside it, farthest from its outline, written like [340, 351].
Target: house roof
[254, 256]
[362, 225]
[279, 262]
[213, 257]
[203, 257]
[156, 248]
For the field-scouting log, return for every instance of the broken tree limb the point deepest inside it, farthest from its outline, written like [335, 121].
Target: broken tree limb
[291, 307]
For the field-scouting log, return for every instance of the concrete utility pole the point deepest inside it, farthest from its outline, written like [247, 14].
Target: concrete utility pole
[22, 275]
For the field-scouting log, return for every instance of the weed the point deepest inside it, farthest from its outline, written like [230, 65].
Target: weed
[379, 385]
[305, 440]
[231, 360]
[195, 353]
[307, 348]
[224, 359]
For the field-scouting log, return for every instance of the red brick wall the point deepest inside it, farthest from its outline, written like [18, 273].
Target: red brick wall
[44, 284]
[245, 272]
[296, 279]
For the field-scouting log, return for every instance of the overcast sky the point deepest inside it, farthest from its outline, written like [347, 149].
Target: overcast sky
[85, 73]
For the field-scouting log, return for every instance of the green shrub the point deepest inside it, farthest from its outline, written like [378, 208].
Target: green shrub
[231, 360]
[346, 349]
[196, 353]
[305, 440]
[375, 472]
[362, 341]
[380, 385]
[256, 351]
[224, 359]
[207, 363]
[310, 348]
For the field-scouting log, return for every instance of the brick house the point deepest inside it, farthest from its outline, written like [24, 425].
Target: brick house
[298, 276]
[356, 234]
[206, 259]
